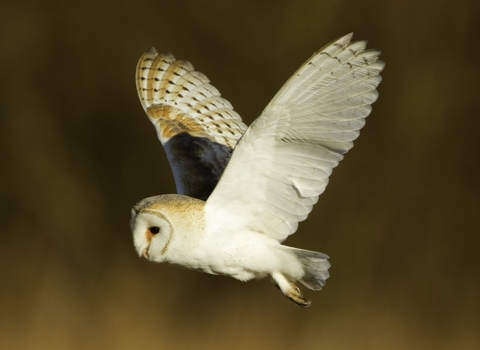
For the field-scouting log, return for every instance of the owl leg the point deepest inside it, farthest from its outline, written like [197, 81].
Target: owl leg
[290, 290]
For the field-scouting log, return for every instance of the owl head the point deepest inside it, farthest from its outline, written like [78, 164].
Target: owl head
[162, 225]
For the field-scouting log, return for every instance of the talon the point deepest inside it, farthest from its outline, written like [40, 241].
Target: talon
[305, 303]
[290, 290]
[296, 296]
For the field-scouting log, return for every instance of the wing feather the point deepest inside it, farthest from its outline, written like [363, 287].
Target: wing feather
[196, 126]
[283, 162]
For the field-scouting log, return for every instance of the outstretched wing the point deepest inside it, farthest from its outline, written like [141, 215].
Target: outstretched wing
[282, 163]
[197, 128]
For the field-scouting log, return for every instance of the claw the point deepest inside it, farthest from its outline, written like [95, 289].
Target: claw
[294, 286]
[290, 290]
[295, 295]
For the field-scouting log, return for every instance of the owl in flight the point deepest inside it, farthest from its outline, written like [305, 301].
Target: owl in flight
[243, 190]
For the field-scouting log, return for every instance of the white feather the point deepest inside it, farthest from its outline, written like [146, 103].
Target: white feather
[282, 163]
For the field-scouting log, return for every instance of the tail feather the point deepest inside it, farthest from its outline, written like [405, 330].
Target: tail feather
[315, 266]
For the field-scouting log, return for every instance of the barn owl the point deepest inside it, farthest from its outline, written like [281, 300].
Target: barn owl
[243, 190]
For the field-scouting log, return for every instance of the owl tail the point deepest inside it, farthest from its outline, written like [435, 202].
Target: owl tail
[315, 272]
[315, 266]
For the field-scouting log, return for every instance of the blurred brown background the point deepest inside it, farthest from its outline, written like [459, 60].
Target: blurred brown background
[399, 218]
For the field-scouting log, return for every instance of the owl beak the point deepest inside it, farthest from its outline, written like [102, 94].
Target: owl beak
[145, 254]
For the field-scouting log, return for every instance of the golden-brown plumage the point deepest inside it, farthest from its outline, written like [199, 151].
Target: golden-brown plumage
[196, 126]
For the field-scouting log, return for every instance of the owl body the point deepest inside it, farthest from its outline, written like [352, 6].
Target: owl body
[242, 191]
[183, 240]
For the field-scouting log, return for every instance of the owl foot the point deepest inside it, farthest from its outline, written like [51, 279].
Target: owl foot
[290, 290]
[295, 295]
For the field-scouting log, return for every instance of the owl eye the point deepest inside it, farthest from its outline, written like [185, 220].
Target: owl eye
[154, 229]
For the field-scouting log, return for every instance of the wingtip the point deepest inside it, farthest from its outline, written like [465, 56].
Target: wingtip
[342, 41]
[345, 39]
[151, 53]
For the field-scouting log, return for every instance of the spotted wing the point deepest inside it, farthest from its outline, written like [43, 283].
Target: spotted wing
[197, 128]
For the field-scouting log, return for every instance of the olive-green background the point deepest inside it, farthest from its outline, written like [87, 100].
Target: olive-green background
[400, 218]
